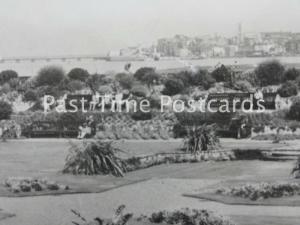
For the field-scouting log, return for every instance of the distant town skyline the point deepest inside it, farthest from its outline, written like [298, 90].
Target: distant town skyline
[62, 27]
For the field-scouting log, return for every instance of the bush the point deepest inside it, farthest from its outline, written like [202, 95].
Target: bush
[173, 87]
[288, 89]
[269, 73]
[203, 78]
[243, 85]
[125, 80]
[291, 74]
[222, 74]
[96, 80]
[30, 96]
[7, 75]
[50, 75]
[147, 75]
[78, 74]
[75, 85]
[93, 158]
[139, 91]
[5, 110]
[294, 112]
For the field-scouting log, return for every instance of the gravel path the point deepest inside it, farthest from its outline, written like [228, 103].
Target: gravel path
[145, 197]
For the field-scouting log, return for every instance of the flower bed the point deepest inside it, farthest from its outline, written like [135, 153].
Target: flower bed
[183, 216]
[261, 191]
[20, 184]
[143, 162]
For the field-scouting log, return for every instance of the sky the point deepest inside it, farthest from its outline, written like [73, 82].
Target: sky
[67, 27]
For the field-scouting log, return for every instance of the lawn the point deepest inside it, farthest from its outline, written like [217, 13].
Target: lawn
[45, 158]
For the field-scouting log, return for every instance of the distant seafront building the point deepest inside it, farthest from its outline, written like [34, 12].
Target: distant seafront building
[243, 44]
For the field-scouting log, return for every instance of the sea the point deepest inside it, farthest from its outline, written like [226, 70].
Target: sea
[28, 68]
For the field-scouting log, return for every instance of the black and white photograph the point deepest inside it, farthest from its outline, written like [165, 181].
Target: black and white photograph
[149, 112]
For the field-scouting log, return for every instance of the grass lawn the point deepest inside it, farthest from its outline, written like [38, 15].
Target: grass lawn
[45, 159]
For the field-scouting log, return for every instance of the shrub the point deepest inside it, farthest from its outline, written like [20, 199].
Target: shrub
[96, 80]
[291, 74]
[5, 110]
[78, 74]
[7, 75]
[269, 73]
[294, 112]
[203, 78]
[222, 74]
[288, 89]
[5, 89]
[188, 217]
[173, 87]
[243, 85]
[139, 91]
[75, 85]
[125, 80]
[30, 96]
[200, 138]
[50, 75]
[96, 157]
[258, 191]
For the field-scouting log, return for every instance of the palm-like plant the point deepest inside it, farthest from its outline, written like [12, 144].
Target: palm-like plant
[119, 218]
[96, 157]
[201, 138]
[296, 170]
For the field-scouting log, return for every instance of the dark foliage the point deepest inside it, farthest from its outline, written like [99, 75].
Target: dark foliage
[294, 112]
[125, 80]
[50, 75]
[30, 96]
[173, 87]
[78, 74]
[288, 89]
[222, 74]
[7, 75]
[291, 74]
[5, 110]
[203, 78]
[269, 73]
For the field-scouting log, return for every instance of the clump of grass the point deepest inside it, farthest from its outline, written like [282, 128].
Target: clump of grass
[119, 218]
[95, 157]
[201, 138]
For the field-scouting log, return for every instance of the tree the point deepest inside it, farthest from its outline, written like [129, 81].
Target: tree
[50, 75]
[147, 75]
[7, 75]
[203, 78]
[291, 74]
[269, 73]
[30, 96]
[96, 80]
[78, 74]
[5, 110]
[125, 80]
[294, 112]
[222, 74]
[288, 89]
[142, 72]
[173, 87]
